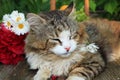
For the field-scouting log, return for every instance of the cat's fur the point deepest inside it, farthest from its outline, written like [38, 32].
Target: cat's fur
[54, 42]
[106, 34]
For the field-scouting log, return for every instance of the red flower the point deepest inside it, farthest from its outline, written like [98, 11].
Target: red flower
[11, 46]
[54, 77]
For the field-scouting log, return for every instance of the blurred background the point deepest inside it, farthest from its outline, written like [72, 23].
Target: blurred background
[101, 8]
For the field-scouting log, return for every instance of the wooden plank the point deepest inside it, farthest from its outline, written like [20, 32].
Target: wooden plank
[5, 70]
[21, 72]
[1, 66]
[112, 72]
[86, 6]
[52, 4]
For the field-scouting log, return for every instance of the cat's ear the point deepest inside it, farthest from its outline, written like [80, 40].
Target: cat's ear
[70, 10]
[34, 19]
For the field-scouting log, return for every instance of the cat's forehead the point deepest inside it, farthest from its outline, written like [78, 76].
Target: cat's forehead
[53, 14]
[58, 21]
[54, 17]
[65, 33]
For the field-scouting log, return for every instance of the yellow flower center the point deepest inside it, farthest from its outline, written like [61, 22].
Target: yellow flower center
[63, 7]
[18, 19]
[20, 26]
[8, 24]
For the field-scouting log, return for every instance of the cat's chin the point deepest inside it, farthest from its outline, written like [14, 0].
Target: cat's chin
[65, 55]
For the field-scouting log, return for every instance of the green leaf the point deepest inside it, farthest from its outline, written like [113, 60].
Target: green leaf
[92, 5]
[101, 2]
[80, 15]
[79, 4]
[111, 6]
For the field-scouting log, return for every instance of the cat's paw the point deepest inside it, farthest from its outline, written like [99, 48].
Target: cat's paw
[75, 78]
[39, 77]
[42, 75]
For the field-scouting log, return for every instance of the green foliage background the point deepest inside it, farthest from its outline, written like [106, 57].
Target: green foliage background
[106, 8]
[103, 8]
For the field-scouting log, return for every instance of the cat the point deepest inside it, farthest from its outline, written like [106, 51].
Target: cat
[58, 45]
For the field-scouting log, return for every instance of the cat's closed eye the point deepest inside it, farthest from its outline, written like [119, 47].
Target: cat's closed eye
[57, 40]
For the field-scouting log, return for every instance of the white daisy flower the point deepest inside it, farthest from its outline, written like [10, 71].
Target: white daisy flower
[89, 48]
[7, 21]
[21, 28]
[16, 23]
[92, 48]
[17, 17]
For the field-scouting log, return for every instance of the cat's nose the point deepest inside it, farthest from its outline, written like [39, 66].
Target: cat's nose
[67, 48]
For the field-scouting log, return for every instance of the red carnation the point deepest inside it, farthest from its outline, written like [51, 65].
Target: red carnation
[11, 46]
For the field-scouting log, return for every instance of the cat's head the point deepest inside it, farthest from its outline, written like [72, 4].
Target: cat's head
[54, 32]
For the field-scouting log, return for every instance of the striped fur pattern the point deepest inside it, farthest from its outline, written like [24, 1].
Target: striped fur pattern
[53, 46]
[106, 34]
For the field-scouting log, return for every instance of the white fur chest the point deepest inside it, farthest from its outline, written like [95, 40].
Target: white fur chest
[59, 67]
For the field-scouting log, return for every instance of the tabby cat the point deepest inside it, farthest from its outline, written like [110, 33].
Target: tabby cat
[58, 45]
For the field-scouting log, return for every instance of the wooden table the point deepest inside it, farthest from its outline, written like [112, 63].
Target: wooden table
[22, 72]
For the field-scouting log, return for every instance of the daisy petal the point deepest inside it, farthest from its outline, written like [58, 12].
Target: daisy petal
[17, 17]
[21, 28]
